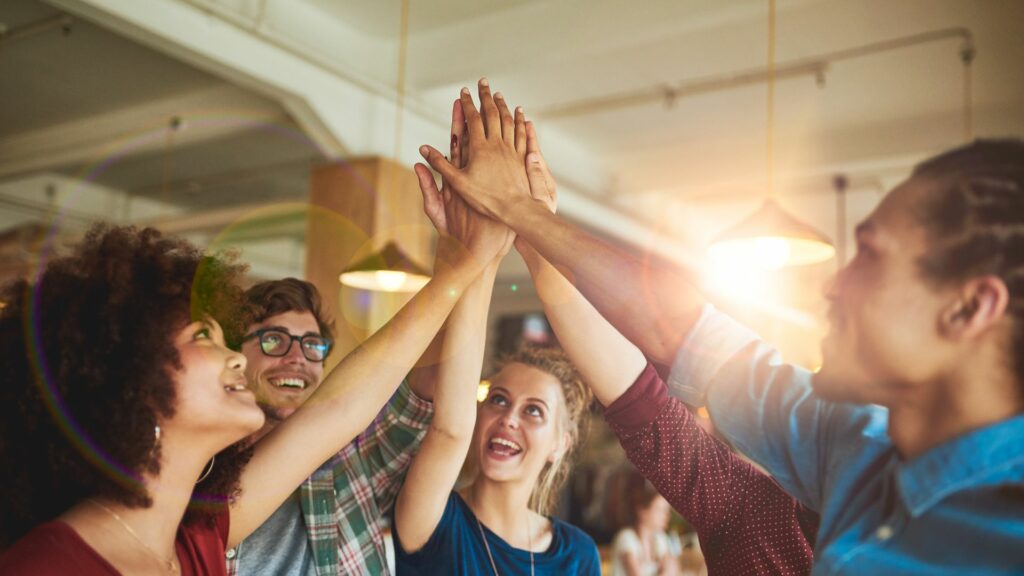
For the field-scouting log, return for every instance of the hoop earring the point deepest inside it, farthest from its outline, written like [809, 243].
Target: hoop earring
[209, 469]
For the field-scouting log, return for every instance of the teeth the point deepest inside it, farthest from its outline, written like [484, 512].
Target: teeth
[506, 443]
[289, 383]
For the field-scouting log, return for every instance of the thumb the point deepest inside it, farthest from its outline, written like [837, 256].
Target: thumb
[441, 164]
[537, 175]
[433, 206]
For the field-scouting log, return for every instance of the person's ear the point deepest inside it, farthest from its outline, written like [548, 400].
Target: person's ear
[980, 304]
[560, 450]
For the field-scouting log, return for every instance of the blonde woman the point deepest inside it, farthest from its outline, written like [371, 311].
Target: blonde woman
[521, 436]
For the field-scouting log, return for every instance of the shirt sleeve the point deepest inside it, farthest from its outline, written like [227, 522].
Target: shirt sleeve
[764, 407]
[388, 445]
[743, 518]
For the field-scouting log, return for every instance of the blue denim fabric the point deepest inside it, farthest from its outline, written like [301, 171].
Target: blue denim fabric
[956, 509]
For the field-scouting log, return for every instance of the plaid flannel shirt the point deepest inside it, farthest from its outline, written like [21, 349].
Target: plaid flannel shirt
[345, 503]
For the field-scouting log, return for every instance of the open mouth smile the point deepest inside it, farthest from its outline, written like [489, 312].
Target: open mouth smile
[503, 447]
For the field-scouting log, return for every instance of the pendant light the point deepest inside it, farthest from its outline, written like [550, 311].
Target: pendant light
[390, 269]
[771, 238]
[387, 270]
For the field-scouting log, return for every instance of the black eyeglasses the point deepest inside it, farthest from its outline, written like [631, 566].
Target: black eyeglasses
[276, 342]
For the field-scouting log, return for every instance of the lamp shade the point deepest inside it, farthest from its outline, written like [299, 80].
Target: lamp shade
[772, 238]
[387, 270]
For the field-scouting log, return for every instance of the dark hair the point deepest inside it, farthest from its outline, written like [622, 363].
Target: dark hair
[639, 495]
[89, 371]
[288, 295]
[974, 216]
[575, 418]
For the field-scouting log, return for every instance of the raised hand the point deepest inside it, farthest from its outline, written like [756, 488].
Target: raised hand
[483, 237]
[492, 178]
[542, 186]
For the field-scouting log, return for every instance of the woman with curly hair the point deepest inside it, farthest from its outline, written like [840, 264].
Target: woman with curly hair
[120, 406]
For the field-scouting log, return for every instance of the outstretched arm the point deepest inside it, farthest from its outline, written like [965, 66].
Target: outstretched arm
[652, 305]
[354, 392]
[432, 475]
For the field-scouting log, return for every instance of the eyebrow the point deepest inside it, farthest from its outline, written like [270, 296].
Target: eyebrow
[287, 331]
[505, 390]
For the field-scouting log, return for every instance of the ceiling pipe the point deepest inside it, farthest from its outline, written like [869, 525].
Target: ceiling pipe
[813, 66]
[26, 31]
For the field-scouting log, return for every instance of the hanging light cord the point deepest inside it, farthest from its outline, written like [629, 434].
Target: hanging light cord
[771, 100]
[967, 54]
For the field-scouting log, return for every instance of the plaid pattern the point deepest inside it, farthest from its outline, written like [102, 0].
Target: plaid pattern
[346, 501]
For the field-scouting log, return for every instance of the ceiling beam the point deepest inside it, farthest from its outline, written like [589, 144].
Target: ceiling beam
[344, 117]
[190, 118]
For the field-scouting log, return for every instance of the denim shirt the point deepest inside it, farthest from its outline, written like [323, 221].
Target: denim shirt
[956, 509]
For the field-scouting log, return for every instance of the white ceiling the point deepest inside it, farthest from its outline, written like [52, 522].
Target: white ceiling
[686, 170]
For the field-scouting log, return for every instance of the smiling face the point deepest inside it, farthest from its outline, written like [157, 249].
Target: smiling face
[211, 390]
[282, 383]
[519, 426]
[885, 339]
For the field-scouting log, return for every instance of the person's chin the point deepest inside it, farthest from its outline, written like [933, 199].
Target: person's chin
[832, 386]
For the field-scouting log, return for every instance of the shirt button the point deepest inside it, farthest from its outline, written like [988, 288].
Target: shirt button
[230, 553]
[884, 532]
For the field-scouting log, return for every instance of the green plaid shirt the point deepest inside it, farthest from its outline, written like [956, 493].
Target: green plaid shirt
[346, 501]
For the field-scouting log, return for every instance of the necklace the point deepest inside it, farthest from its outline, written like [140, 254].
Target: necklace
[169, 564]
[529, 539]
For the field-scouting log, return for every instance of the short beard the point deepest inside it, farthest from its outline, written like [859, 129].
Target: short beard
[272, 413]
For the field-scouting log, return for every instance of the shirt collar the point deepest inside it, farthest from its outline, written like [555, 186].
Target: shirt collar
[988, 456]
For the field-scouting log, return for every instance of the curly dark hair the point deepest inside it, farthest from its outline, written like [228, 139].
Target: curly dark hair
[89, 364]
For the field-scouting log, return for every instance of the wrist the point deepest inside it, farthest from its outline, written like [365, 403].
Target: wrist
[514, 212]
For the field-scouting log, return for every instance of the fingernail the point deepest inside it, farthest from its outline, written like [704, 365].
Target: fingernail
[519, 109]
[424, 151]
[483, 82]
[533, 159]
[498, 96]
[465, 90]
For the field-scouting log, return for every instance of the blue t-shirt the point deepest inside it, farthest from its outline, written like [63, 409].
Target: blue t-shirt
[455, 547]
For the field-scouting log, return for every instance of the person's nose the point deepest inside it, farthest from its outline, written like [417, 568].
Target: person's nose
[509, 420]
[236, 361]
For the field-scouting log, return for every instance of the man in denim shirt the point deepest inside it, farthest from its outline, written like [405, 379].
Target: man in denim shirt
[927, 322]
[910, 440]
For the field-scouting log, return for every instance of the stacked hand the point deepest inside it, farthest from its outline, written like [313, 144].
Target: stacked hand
[485, 238]
[488, 151]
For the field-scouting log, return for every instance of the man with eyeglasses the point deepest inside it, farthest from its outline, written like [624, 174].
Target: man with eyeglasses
[335, 522]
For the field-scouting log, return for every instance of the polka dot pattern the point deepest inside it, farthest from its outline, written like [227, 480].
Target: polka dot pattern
[746, 523]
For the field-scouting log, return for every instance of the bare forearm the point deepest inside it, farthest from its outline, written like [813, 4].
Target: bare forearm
[653, 306]
[435, 469]
[463, 350]
[345, 403]
[608, 362]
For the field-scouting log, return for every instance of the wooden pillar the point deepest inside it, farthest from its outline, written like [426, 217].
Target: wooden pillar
[355, 208]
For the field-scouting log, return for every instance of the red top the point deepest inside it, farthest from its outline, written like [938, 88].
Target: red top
[746, 523]
[55, 549]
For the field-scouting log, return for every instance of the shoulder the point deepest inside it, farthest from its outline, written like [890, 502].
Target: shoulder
[201, 542]
[626, 539]
[573, 537]
[53, 548]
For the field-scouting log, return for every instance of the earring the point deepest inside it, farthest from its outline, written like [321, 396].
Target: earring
[209, 469]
